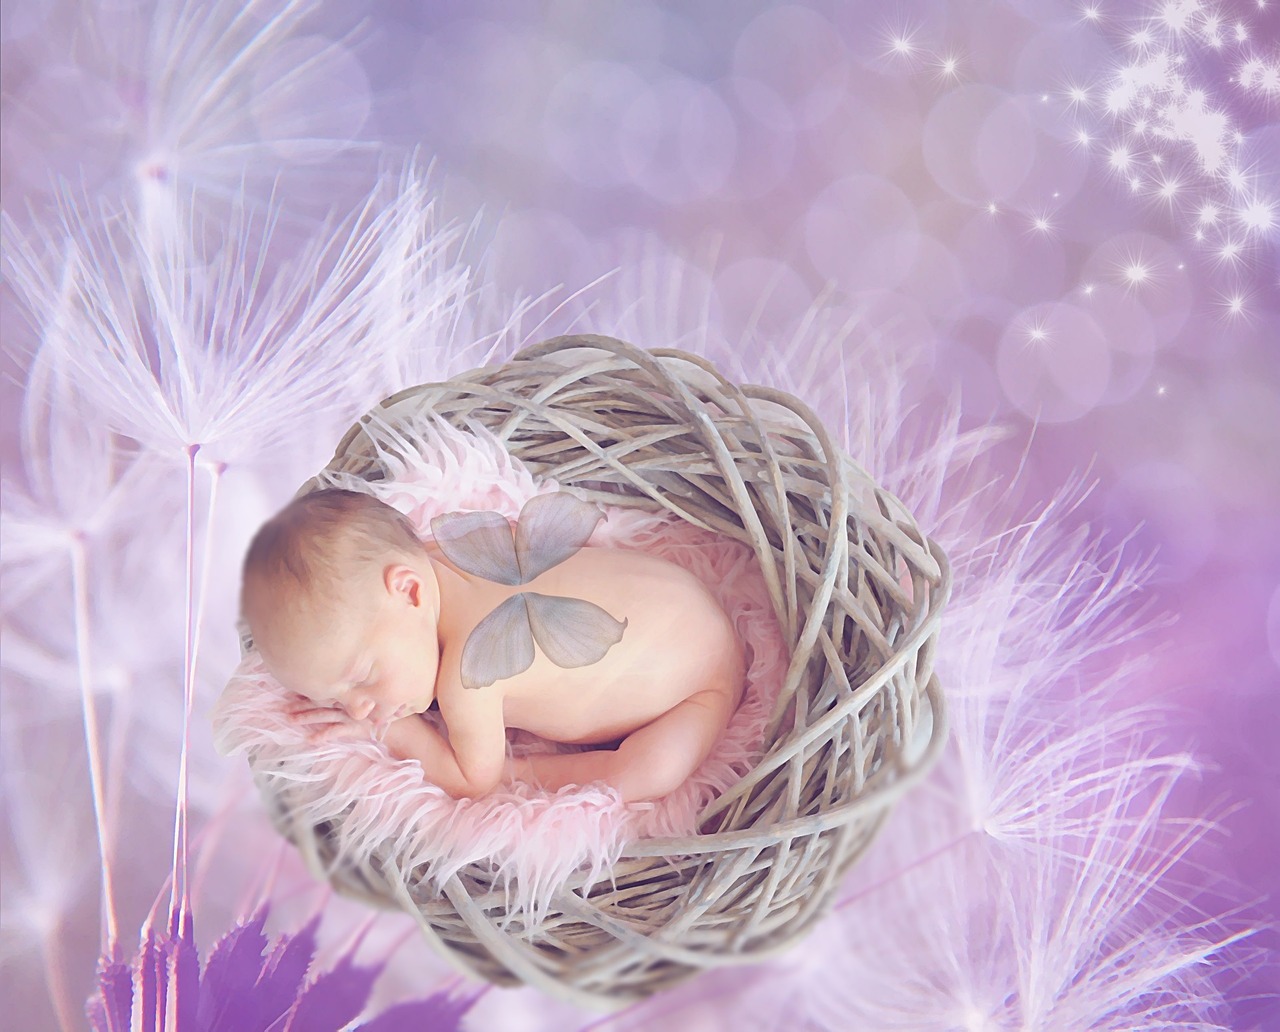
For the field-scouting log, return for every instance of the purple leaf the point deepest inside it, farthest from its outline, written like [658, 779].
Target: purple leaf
[439, 1012]
[148, 981]
[183, 975]
[233, 967]
[335, 998]
[285, 973]
[112, 1009]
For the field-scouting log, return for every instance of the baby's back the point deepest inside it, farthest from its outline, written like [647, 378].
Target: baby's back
[678, 641]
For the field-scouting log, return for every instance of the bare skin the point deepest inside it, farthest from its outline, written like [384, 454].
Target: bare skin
[663, 693]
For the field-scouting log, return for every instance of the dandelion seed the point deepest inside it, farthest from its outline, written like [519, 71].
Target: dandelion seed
[213, 354]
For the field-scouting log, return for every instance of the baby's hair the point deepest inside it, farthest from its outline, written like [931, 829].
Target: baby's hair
[321, 537]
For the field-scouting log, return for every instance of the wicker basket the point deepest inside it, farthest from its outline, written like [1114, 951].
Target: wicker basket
[859, 718]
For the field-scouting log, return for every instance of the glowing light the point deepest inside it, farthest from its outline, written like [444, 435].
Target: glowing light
[1230, 253]
[1092, 13]
[1088, 289]
[992, 209]
[1041, 223]
[1168, 189]
[1120, 159]
[1257, 216]
[902, 42]
[1136, 273]
[948, 66]
[1234, 307]
[1162, 390]
[1077, 96]
[1135, 269]
[1082, 138]
[1176, 14]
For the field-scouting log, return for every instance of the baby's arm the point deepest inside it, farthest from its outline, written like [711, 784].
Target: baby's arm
[470, 762]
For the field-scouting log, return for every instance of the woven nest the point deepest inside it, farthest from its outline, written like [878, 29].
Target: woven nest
[859, 718]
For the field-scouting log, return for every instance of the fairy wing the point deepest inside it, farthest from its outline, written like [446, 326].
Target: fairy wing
[550, 529]
[480, 543]
[500, 646]
[571, 631]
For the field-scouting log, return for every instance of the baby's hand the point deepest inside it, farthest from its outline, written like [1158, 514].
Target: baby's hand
[325, 723]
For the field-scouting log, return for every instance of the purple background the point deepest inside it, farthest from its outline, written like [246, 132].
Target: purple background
[1080, 262]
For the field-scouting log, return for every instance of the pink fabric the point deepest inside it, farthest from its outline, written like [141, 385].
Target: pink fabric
[534, 839]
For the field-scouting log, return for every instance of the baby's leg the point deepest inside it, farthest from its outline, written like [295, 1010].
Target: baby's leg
[651, 762]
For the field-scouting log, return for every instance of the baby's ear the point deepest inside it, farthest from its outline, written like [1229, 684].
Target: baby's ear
[404, 580]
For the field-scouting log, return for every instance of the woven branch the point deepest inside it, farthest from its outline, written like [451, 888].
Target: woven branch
[859, 719]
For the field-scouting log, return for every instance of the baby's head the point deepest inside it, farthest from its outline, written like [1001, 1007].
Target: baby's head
[343, 603]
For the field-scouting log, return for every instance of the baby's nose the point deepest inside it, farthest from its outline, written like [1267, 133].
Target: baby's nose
[358, 709]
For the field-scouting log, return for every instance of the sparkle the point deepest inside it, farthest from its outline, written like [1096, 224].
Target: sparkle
[948, 65]
[1230, 253]
[1135, 270]
[1168, 189]
[1177, 16]
[1077, 96]
[1234, 307]
[1037, 334]
[1136, 273]
[1242, 34]
[902, 42]
[992, 209]
[1091, 13]
[1083, 139]
[1120, 159]
[1209, 213]
[1257, 216]
[1162, 390]
[1088, 289]
[1141, 39]
[1041, 223]
[1237, 179]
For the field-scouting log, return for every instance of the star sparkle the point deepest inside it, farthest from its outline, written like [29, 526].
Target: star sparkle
[1162, 121]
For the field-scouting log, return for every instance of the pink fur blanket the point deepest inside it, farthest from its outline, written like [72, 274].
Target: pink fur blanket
[534, 839]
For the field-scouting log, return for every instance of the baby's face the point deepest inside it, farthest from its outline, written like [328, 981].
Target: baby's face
[376, 659]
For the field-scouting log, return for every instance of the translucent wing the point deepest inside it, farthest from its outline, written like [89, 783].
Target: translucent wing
[480, 543]
[500, 646]
[571, 631]
[550, 529]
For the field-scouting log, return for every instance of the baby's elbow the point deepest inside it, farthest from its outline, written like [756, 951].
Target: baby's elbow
[482, 782]
[477, 790]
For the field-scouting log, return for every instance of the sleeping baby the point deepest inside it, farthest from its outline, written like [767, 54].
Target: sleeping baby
[500, 627]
